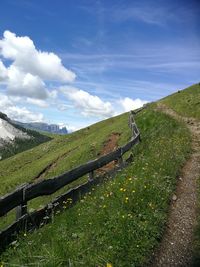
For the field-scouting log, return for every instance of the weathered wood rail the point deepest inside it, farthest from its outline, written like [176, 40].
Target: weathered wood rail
[18, 199]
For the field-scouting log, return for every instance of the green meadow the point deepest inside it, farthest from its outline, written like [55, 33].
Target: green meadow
[118, 223]
[185, 102]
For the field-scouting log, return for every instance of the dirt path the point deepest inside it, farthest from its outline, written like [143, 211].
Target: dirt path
[177, 244]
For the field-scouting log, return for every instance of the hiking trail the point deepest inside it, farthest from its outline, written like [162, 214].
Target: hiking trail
[176, 246]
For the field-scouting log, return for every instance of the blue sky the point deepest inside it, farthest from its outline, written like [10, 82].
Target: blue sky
[115, 55]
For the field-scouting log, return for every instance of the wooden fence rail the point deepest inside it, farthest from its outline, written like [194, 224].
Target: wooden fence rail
[50, 186]
[27, 192]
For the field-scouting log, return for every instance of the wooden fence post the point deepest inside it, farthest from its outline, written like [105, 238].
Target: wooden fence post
[120, 159]
[131, 121]
[134, 130]
[91, 176]
[22, 209]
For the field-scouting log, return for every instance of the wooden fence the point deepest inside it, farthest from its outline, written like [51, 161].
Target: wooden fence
[18, 199]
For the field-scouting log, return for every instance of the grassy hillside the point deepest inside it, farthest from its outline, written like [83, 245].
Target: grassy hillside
[63, 153]
[185, 102]
[118, 223]
[66, 151]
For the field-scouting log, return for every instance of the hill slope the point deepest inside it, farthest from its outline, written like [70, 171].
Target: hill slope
[185, 102]
[118, 223]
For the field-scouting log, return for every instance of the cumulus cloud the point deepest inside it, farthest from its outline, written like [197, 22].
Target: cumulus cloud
[26, 57]
[25, 84]
[37, 102]
[3, 72]
[131, 104]
[30, 68]
[89, 105]
[18, 113]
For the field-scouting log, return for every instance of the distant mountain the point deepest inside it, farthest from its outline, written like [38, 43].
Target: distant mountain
[44, 127]
[8, 133]
[15, 139]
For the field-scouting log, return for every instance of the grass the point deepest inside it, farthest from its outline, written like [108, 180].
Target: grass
[120, 222]
[79, 147]
[67, 151]
[185, 102]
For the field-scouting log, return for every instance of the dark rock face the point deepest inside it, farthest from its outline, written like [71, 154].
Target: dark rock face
[4, 117]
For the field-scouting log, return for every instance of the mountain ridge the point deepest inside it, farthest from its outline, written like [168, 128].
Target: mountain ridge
[44, 127]
[15, 138]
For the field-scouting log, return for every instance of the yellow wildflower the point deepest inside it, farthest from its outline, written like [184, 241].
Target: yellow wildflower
[126, 199]
[109, 265]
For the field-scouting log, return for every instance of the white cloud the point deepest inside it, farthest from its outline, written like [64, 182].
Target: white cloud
[25, 84]
[3, 72]
[14, 112]
[27, 58]
[37, 102]
[147, 14]
[131, 104]
[70, 128]
[89, 105]
[53, 94]
[30, 68]
[23, 114]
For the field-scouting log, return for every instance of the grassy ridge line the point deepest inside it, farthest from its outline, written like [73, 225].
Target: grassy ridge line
[121, 221]
[185, 102]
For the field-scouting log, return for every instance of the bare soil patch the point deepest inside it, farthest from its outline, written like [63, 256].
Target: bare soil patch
[110, 145]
